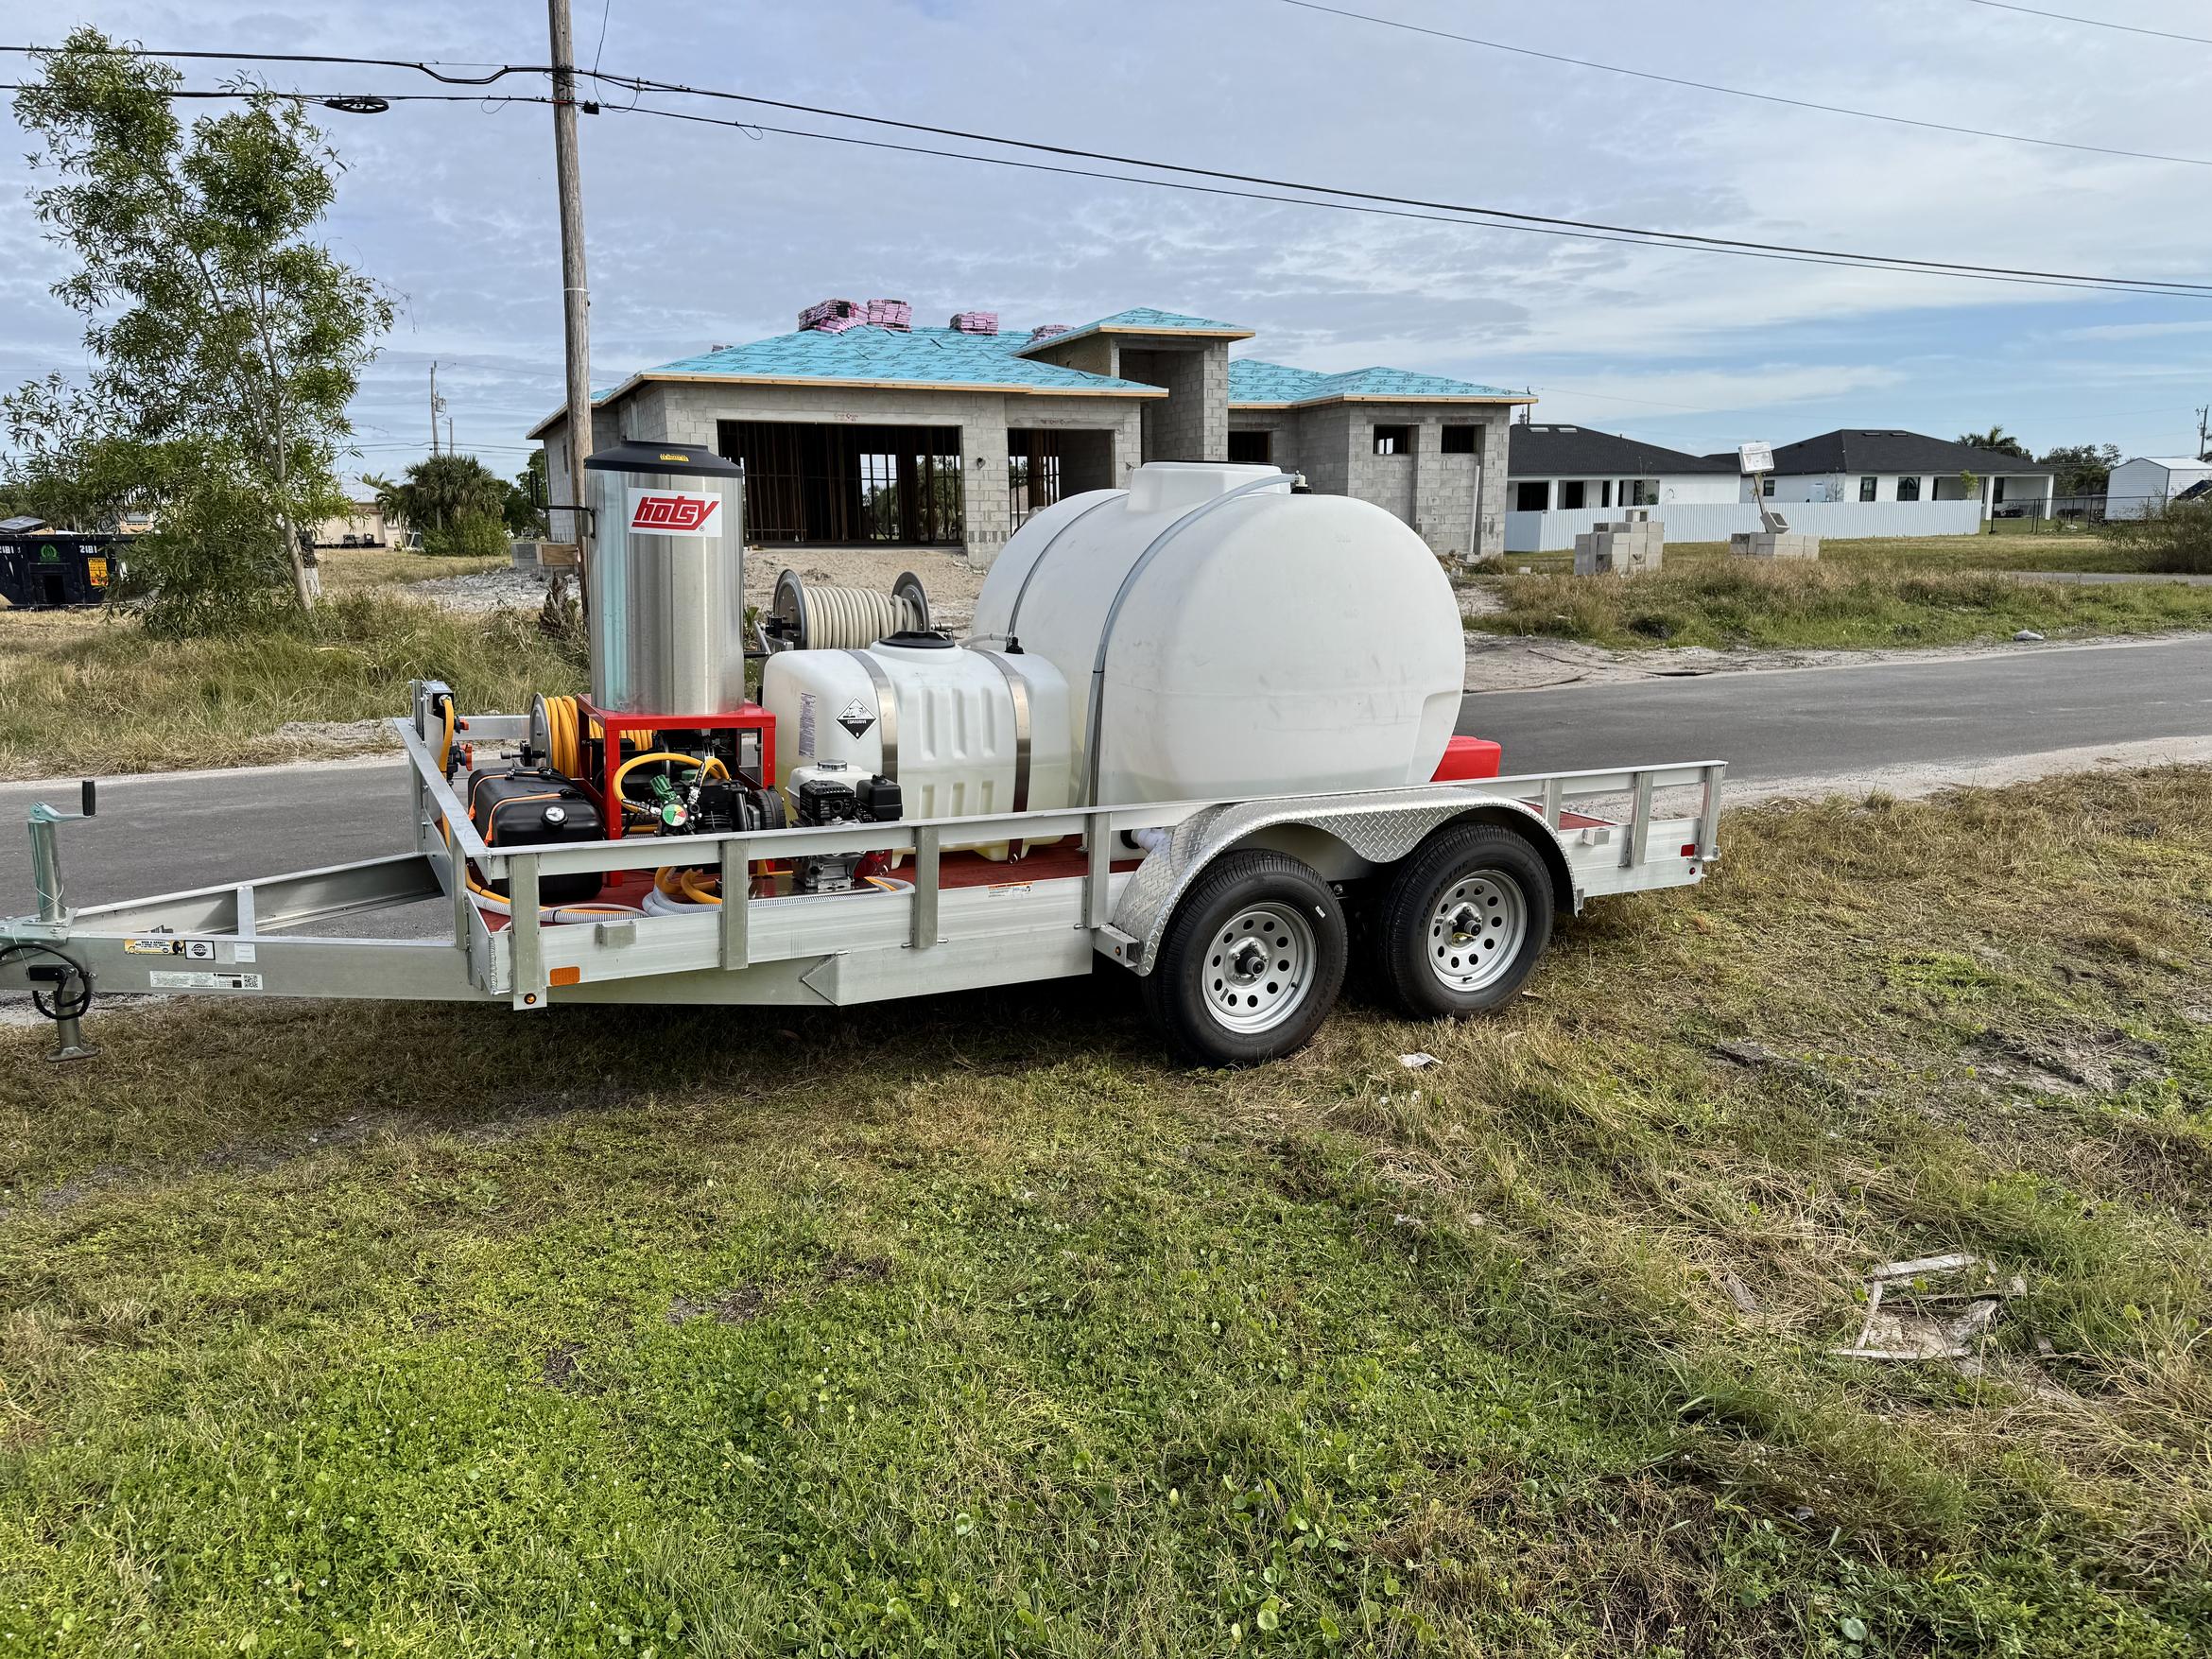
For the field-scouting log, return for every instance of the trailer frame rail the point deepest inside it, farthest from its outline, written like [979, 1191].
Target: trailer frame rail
[262, 937]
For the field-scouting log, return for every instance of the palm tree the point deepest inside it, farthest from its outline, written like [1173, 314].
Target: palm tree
[441, 490]
[1998, 440]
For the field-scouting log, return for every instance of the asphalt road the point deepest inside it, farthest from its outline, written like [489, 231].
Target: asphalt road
[161, 833]
[1846, 722]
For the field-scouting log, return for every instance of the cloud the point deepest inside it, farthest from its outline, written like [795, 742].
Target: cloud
[702, 235]
[2137, 331]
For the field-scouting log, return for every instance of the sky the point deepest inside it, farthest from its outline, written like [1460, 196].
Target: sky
[700, 236]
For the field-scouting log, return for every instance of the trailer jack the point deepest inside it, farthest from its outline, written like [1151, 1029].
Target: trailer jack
[68, 1007]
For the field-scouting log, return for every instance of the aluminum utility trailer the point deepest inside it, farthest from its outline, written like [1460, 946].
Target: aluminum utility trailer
[1121, 882]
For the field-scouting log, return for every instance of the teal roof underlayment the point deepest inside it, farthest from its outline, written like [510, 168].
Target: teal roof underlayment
[1140, 319]
[981, 362]
[932, 356]
[1253, 382]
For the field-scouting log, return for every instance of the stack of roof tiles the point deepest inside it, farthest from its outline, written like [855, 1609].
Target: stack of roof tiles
[975, 322]
[889, 314]
[833, 316]
[1047, 331]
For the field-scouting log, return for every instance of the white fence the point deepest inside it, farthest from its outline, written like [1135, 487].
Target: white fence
[1706, 521]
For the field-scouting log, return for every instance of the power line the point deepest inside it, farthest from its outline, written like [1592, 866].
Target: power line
[602, 46]
[1737, 92]
[1612, 231]
[2125, 28]
[1841, 261]
[1491, 217]
[433, 67]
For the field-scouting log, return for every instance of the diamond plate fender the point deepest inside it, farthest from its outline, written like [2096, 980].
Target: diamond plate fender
[1381, 827]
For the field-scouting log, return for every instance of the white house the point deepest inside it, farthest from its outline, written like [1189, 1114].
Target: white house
[1553, 468]
[1856, 464]
[2144, 484]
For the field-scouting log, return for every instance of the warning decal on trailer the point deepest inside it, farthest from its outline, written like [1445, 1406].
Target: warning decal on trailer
[855, 718]
[162, 981]
[162, 944]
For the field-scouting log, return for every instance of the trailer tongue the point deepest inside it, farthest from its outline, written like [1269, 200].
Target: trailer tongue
[1112, 768]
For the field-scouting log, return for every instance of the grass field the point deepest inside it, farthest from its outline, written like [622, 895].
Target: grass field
[346, 569]
[95, 694]
[1933, 591]
[970, 1327]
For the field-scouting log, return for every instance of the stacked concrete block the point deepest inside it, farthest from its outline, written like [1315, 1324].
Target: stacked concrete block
[1773, 544]
[1626, 547]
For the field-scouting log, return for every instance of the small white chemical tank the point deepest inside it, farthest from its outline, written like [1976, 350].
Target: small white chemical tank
[964, 732]
[1274, 644]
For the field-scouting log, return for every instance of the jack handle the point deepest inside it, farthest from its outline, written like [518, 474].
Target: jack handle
[46, 849]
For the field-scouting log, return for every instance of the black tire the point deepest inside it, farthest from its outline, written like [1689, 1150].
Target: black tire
[1256, 926]
[1437, 965]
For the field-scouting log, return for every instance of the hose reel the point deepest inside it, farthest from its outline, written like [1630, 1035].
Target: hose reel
[817, 617]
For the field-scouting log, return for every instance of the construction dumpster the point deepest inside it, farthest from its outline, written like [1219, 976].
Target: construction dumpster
[50, 569]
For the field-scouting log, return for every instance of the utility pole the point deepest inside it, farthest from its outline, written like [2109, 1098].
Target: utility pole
[574, 291]
[2203, 414]
[449, 448]
[435, 404]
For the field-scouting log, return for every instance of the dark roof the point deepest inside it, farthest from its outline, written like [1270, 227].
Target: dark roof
[1853, 449]
[1547, 450]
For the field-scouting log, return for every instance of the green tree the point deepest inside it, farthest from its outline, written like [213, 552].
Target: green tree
[224, 342]
[524, 514]
[1998, 440]
[441, 490]
[2081, 469]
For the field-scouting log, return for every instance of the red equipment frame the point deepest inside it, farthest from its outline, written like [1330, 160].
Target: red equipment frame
[607, 732]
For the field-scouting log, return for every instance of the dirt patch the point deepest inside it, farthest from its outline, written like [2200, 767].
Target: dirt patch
[338, 738]
[1497, 662]
[951, 582]
[2063, 1062]
[273, 1152]
[843, 1269]
[562, 1367]
[740, 1307]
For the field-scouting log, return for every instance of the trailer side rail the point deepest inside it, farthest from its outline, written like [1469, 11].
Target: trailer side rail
[811, 949]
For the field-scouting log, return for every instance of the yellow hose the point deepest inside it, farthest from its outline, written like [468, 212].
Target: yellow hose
[445, 744]
[564, 753]
[711, 766]
[589, 907]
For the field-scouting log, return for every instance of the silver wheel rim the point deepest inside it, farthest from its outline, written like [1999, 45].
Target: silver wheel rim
[1259, 967]
[1476, 930]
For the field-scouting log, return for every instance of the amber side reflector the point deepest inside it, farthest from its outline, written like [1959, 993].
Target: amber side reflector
[564, 976]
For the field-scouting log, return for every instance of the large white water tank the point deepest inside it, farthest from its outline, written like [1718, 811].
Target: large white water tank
[1274, 644]
[966, 733]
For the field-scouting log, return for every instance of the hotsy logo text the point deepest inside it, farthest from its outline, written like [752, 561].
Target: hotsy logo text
[684, 515]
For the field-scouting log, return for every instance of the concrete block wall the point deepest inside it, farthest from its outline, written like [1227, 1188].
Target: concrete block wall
[1193, 422]
[1456, 503]
[1094, 353]
[559, 479]
[1388, 480]
[1325, 435]
[1281, 425]
[690, 412]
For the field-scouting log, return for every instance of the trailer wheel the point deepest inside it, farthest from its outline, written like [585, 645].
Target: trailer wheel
[1464, 921]
[1250, 963]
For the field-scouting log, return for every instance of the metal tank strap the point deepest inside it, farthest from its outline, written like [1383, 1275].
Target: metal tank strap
[1092, 733]
[1018, 687]
[887, 710]
[1013, 616]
